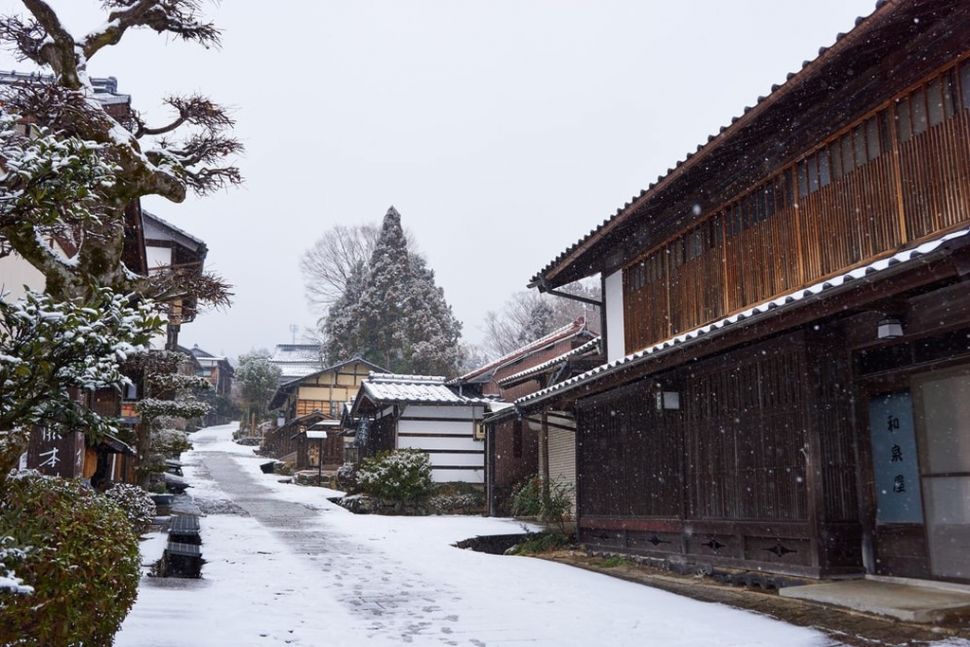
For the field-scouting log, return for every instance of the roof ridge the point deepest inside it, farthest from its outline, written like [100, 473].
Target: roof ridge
[579, 324]
[725, 131]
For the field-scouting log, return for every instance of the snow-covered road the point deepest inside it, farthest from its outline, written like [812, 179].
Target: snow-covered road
[284, 566]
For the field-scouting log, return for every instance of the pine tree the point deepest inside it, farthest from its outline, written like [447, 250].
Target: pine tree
[392, 313]
[381, 328]
[433, 331]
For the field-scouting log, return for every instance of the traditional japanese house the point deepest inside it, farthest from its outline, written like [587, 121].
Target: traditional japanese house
[296, 360]
[311, 398]
[787, 325]
[543, 442]
[220, 374]
[169, 248]
[422, 412]
[216, 369]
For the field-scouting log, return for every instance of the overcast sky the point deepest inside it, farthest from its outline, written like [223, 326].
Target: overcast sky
[501, 130]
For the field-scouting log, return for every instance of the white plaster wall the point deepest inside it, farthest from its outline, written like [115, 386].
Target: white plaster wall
[432, 437]
[15, 273]
[615, 343]
[158, 256]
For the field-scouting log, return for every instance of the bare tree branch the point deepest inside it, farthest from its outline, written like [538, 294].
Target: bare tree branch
[178, 17]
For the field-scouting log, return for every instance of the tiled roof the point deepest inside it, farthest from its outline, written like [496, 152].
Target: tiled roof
[590, 346]
[296, 353]
[423, 389]
[759, 311]
[105, 88]
[712, 140]
[569, 330]
[157, 228]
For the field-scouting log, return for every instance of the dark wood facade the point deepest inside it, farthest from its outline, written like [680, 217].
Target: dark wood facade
[904, 165]
[727, 477]
[828, 434]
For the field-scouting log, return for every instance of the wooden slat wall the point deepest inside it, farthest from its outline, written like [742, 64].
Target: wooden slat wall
[898, 175]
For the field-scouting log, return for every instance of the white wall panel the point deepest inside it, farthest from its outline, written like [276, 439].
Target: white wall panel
[471, 460]
[459, 476]
[433, 442]
[615, 342]
[463, 427]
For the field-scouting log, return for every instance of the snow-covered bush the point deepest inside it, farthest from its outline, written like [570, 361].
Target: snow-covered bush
[456, 503]
[135, 502]
[183, 408]
[81, 560]
[10, 557]
[170, 442]
[402, 475]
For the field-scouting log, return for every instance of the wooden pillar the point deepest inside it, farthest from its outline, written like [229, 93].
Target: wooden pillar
[544, 456]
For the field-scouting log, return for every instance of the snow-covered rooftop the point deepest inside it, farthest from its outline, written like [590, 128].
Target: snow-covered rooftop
[424, 389]
[159, 229]
[105, 88]
[760, 310]
[569, 330]
[296, 353]
[589, 347]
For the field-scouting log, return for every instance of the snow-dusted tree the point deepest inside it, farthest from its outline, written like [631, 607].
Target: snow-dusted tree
[50, 348]
[401, 320]
[257, 378]
[171, 398]
[71, 169]
[339, 327]
[380, 313]
[433, 332]
[527, 316]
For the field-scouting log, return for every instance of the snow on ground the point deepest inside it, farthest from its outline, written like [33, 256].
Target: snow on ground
[303, 571]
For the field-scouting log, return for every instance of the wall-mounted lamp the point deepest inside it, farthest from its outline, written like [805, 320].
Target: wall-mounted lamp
[669, 400]
[889, 328]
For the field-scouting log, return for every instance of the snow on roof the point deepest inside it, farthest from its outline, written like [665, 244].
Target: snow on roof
[569, 330]
[296, 353]
[158, 229]
[426, 389]
[105, 88]
[760, 310]
[590, 346]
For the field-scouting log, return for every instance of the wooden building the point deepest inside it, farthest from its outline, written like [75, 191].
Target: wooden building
[311, 398]
[216, 369]
[422, 412]
[325, 390]
[787, 325]
[520, 444]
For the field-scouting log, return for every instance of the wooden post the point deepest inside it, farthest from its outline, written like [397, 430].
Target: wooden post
[320, 464]
[544, 457]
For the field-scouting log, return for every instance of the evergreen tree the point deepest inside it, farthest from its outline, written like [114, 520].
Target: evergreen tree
[392, 313]
[380, 316]
[340, 340]
[433, 331]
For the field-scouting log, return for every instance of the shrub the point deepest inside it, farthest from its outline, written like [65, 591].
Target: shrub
[403, 475]
[169, 442]
[457, 503]
[527, 498]
[80, 555]
[135, 502]
[528, 501]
